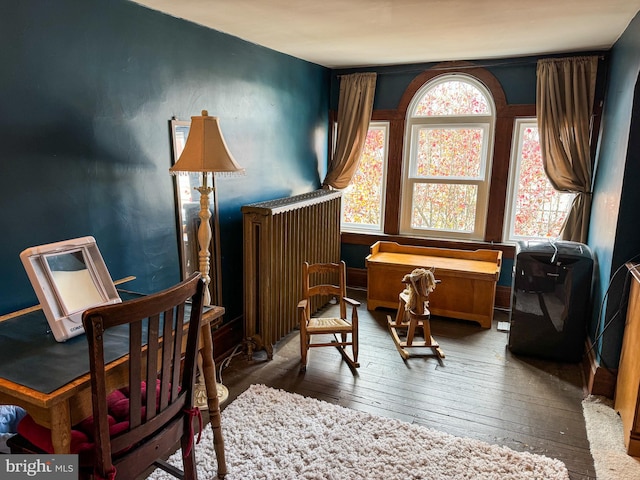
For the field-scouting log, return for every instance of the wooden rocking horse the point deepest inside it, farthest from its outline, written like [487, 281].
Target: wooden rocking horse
[413, 313]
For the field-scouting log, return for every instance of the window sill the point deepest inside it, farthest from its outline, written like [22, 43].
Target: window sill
[362, 238]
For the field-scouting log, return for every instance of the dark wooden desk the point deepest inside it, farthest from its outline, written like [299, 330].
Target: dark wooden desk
[58, 407]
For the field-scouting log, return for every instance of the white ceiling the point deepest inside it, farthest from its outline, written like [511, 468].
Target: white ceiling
[354, 33]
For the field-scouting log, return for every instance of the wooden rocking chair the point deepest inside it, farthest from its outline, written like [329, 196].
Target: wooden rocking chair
[317, 281]
[413, 314]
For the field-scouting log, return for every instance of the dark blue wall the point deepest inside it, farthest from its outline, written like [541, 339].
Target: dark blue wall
[614, 231]
[87, 91]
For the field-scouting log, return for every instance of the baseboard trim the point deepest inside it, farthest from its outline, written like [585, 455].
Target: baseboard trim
[226, 338]
[357, 277]
[599, 380]
[503, 297]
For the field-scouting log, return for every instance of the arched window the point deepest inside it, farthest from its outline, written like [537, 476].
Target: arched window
[447, 158]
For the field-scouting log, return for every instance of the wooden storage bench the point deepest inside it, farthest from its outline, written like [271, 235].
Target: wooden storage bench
[468, 279]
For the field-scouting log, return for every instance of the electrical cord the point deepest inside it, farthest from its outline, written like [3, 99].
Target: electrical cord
[555, 251]
[621, 305]
[225, 363]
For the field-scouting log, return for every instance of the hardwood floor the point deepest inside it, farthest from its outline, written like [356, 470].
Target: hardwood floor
[480, 390]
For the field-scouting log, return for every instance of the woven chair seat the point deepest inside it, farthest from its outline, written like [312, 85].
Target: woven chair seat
[328, 325]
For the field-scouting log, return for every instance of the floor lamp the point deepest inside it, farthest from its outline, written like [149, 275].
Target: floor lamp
[206, 152]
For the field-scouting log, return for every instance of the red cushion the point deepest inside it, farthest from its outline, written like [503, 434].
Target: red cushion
[143, 390]
[86, 426]
[118, 407]
[82, 433]
[41, 436]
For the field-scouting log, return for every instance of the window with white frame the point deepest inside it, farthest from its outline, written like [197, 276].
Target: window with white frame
[363, 199]
[535, 209]
[446, 169]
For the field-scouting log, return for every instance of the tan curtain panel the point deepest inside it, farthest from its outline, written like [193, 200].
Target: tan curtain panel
[564, 103]
[355, 104]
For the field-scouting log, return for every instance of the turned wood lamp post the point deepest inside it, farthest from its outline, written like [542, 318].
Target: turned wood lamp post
[205, 152]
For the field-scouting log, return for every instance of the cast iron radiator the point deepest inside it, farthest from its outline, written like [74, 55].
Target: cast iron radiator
[279, 236]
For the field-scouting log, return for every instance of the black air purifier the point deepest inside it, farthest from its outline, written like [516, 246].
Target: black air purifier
[551, 299]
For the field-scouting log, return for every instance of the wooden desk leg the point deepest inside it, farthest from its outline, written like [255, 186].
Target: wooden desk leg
[209, 370]
[61, 427]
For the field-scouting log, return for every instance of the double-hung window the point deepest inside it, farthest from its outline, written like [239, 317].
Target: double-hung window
[363, 199]
[536, 209]
[447, 159]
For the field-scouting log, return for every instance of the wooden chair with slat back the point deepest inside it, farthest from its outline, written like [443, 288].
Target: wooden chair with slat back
[317, 282]
[158, 398]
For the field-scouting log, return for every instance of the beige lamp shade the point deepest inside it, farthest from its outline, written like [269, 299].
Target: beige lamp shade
[206, 150]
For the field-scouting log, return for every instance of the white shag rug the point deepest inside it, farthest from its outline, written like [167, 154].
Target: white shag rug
[606, 441]
[272, 434]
